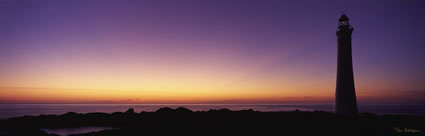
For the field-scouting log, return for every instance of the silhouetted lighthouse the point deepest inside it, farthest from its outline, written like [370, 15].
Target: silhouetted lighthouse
[345, 96]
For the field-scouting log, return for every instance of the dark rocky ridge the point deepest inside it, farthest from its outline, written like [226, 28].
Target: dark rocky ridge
[182, 121]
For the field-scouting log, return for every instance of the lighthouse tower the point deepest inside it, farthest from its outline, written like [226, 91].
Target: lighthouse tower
[345, 96]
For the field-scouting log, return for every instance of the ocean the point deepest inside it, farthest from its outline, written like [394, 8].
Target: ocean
[16, 110]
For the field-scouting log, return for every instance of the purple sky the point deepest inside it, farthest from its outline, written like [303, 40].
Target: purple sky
[284, 41]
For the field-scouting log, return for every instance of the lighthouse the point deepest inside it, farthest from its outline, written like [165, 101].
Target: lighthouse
[345, 95]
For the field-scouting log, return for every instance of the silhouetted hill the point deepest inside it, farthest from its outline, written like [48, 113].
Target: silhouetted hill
[182, 121]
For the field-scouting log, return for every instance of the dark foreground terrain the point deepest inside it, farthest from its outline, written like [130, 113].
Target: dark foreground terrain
[181, 121]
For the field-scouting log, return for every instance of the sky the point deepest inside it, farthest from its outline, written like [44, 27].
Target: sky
[207, 51]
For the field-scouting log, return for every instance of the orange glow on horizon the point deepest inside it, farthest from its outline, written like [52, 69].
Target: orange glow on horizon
[83, 96]
[49, 95]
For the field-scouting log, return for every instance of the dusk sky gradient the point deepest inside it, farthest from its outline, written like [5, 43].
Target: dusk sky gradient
[207, 51]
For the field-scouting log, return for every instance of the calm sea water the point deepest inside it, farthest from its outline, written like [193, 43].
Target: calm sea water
[15, 110]
[69, 131]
